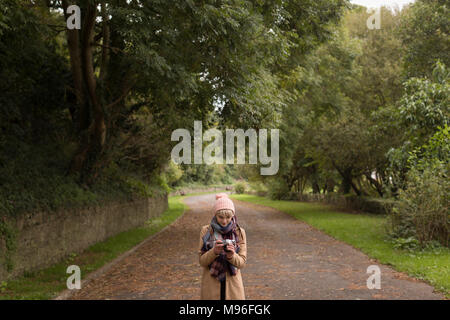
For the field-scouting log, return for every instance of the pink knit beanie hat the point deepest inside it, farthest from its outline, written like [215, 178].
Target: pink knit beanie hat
[223, 202]
[220, 195]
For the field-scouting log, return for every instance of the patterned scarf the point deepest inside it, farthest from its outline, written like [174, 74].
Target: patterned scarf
[220, 265]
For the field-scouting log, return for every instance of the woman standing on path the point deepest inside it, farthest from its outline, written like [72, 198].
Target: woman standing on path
[221, 263]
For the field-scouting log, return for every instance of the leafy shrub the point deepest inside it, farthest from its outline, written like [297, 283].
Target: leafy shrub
[279, 190]
[172, 173]
[422, 210]
[370, 204]
[410, 243]
[259, 188]
[240, 187]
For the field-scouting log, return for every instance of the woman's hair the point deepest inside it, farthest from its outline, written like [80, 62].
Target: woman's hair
[226, 212]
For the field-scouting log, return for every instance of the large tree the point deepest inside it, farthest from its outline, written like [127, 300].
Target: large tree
[338, 125]
[178, 59]
[425, 34]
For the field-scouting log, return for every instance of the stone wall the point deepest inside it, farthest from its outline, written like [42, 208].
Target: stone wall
[44, 238]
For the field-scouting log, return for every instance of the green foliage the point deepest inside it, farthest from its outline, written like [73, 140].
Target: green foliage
[425, 104]
[163, 65]
[139, 187]
[3, 286]
[411, 244]
[259, 187]
[430, 172]
[279, 190]
[240, 187]
[8, 237]
[424, 31]
[33, 77]
[379, 63]
[173, 173]
[38, 183]
[437, 150]
[423, 111]
[203, 174]
[422, 210]
[338, 129]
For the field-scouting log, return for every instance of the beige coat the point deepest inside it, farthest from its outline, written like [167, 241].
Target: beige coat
[210, 287]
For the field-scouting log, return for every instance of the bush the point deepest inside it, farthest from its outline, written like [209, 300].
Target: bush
[409, 244]
[172, 173]
[422, 211]
[369, 204]
[259, 188]
[279, 190]
[240, 187]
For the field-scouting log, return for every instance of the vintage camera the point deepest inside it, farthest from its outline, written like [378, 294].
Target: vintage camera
[227, 242]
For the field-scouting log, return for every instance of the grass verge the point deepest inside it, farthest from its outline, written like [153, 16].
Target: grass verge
[367, 233]
[49, 282]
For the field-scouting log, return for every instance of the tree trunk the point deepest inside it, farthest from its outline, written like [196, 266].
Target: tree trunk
[375, 183]
[81, 114]
[347, 182]
[330, 185]
[93, 134]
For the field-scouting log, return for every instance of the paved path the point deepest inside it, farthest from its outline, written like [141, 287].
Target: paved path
[287, 259]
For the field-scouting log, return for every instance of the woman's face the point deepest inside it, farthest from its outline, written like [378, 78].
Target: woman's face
[223, 219]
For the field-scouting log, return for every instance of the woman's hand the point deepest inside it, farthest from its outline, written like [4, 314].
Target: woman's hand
[230, 251]
[218, 247]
